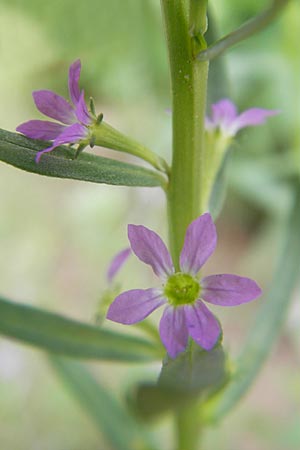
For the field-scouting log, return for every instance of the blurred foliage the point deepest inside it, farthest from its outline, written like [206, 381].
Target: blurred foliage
[120, 43]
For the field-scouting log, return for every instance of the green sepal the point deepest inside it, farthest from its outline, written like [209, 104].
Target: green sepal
[194, 375]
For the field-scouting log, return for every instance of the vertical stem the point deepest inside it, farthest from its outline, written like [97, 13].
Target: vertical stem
[189, 85]
[198, 20]
[188, 430]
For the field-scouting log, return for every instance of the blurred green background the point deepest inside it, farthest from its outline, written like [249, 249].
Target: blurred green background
[57, 237]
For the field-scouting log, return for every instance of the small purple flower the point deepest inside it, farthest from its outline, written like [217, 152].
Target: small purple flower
[226, 118]
[73, 118]
[183, 294]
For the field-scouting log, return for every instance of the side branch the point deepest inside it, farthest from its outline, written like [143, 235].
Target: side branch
[247, 30]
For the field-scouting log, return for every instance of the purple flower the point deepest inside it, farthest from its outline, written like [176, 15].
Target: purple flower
[226, 118]
[72, 119]
[183, 294]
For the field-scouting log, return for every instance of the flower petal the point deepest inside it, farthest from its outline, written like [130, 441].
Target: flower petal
[54, 106]
[223, 113]
[200, 242]
[41, 129]
[117, 262]
[150, 249]
[70, 135]
[81, 111]
[229, 290]
[173, 330]
[203, 327]
[133, 306]
[251, 117]
[74, 75]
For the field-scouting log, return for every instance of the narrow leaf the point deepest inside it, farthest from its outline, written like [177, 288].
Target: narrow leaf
[19, 151]
[113, 421]
[59, 334]
[268, 322]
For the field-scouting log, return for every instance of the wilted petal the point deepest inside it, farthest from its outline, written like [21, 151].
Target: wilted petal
[251, 117]
[202, 325]
[55, 106]
[41, 129]
[74, 75]
[150, 249]
[117, 263]
[173, 330]
[70, 135]
[200, 242]
[223, 113]
[133, 306]
[82, 113]
[229, 290]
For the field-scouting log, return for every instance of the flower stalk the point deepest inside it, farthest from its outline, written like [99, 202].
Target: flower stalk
[105, 135]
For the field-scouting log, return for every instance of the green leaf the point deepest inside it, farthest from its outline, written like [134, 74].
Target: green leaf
[269, 320]
[194, 374]
[113, 421]
[58, 334]
[19, 151]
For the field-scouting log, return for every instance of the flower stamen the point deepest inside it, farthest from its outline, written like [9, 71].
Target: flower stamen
[182, 289]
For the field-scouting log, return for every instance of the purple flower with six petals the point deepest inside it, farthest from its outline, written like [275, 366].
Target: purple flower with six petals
[183, 294]
[74, 118]
[226, 118]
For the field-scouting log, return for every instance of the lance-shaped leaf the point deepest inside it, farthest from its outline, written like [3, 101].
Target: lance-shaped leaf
[119, 429]
[267, 325]
[56, 333]
[194, 374]
[19, 151]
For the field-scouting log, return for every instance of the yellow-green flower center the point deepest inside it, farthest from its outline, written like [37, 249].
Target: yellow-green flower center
[182, 289]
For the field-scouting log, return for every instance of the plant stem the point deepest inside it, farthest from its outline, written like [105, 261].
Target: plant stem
[189, 85]
[188, 430]
[198, 19]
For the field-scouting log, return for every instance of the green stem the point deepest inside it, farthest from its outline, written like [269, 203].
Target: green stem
[268, 322]
[247, 30]
[106, 136]
[189, 85]
[198, 19]
[187, 429]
